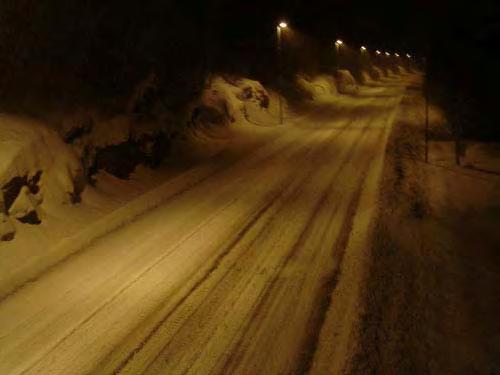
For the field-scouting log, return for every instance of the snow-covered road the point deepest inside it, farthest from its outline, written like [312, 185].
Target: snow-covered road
[232, 275]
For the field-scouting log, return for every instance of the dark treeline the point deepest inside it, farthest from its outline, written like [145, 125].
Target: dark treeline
[72, 53]
[67, 54]
[464, 67]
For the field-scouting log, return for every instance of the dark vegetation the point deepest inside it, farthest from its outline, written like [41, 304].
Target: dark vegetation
[464, 67]
[65, 55]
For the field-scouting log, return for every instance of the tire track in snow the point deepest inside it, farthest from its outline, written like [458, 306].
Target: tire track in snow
[324, 296]
[307, 177]
[294, 193]
[336, 133]
[214, 266]
[272, 288]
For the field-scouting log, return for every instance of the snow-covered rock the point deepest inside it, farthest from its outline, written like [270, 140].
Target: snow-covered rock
[346, 82]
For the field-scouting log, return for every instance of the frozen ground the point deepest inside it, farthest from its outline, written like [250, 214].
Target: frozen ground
[256, 261]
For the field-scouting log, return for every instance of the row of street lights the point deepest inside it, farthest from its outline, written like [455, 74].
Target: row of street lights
[338, 43]
[282, 26]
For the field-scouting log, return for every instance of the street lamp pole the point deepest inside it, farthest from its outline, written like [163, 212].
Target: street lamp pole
[426, 93]
[279, 29]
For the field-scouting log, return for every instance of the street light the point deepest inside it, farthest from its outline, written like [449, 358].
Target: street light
[363, 48]
[396, 55]
[338, 42]
[387, 54]
[408, 55]
[282, 26]
[378, 52]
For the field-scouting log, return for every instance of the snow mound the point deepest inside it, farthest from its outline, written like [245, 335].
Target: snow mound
[401, 69]
[346, 82]
[367, 77]
[378, 72]
[318, 86]
[226, 101]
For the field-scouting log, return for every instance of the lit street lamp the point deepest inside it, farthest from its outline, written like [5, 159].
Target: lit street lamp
[363, 48]
[378, 52]
[396, 55]
[408, 55]
[387, 54]
[282, 26]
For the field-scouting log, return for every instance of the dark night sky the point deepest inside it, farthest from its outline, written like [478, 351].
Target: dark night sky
[103, 48]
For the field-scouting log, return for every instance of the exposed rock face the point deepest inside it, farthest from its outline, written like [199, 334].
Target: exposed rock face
[25, 206]
[11, 190]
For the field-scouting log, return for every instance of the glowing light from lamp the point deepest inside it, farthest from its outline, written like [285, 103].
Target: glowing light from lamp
[283, 25]
[378, 52]
[339, 42]
[363, 48]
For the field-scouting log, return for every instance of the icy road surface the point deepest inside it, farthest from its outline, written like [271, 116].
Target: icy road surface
[253, 270]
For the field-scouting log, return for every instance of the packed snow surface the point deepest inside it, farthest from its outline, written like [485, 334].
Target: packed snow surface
[225, 266]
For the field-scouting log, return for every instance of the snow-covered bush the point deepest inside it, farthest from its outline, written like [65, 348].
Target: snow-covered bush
[37, 170]
[227, 100]
[318, 86]
[346, 82]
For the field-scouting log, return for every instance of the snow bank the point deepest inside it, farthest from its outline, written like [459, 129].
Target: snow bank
[346, 82]
[37, 170]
